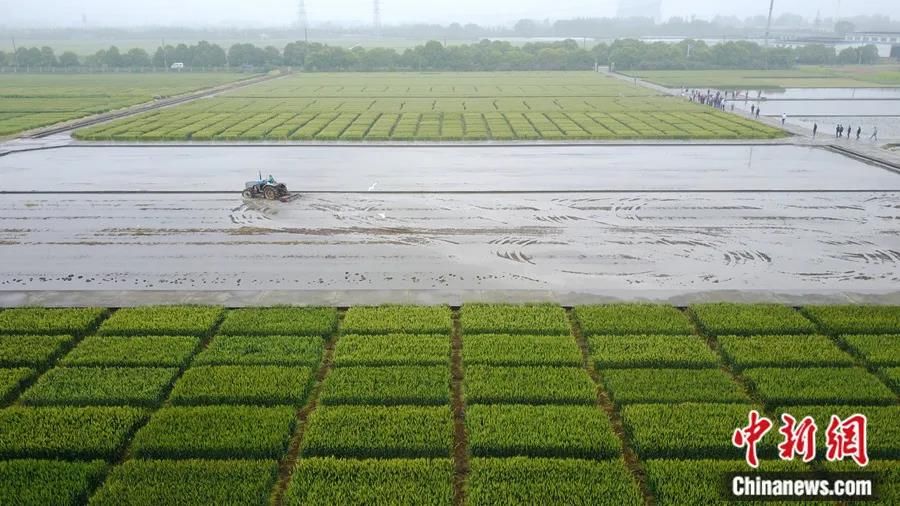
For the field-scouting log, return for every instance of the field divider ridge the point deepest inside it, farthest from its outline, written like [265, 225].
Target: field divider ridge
[460, 438]
[604, 402]
[287, 464]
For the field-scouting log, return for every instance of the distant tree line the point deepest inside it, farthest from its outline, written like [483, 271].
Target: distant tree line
[625, 54]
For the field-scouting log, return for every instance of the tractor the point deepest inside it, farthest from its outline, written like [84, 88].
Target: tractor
[268, 189]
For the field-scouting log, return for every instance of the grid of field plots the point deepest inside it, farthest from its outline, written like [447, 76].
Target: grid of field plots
[483, 404]
[435, 107]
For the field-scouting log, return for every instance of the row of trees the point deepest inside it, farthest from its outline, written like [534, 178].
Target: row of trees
[485, 55]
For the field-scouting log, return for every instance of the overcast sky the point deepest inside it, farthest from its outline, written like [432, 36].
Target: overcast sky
[487, 12]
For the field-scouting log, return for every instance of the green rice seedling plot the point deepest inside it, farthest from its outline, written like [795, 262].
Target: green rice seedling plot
[162, 320]
[12, 381]
[522, 480]
[856, 319]
[677, 482]
[411, 106]
[528, 385]
[392, 349]
[540, 431]
[119, 351]
[66, 432]
[101, 386]
[689, 430]
[379, 432]
[651, 351]
[397, 320]
[49, 321]
[537, 319]
[671, 385]
[882, 350]
[750, 319]
[236, 384]
[893, 375]
[426, 482]
[782, 351]
[500, 350]
[44, 99]
[216, 432]
[280, 321]
[391, 385]
[263, 350]
[188, 482]
[887, 476]
[623, 319]
[31, 350]
[48, 482]
[883, 431]
[819, 385]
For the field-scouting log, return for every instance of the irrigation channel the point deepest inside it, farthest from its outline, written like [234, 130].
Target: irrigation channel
[572, 224]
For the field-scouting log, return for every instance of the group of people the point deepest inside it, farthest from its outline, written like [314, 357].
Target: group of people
[840, 129]
[716, 100]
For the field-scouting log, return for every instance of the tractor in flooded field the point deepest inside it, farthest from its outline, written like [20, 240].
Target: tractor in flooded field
[267, 188]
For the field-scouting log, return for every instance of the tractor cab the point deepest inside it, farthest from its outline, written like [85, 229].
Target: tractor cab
[266, 188]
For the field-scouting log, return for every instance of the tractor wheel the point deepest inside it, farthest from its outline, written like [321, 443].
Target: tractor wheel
[271, 194]
[247, 194]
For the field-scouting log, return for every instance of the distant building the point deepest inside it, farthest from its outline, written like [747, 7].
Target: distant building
[874, 37]
[640, 9]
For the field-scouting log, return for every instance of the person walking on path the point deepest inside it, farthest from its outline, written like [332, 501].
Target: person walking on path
[874, 135]
[858, 131]
[815, 129]
[849, 131]
[837, 131]
[757, 112]
[783, 118]
[752, 109]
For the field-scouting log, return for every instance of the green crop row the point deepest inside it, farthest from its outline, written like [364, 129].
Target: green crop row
[783, 351]
[219, 482]
[283, 321]
[538, 319]
[499, 350]
[162, 320]
[216, 432]
[678, 482]
[48, 482]
[235, 384]
[671, 385]
[96, 386]
[876, 349]
[391, 385]
[426, 482]
[12, 381]
[392, 349]
[750, 319]
[689, 430]
[528, 385]
[523, 480]
[43, 321]
[66, 432]
[819, 385]
[262, 350]
[621, 319]
[856, 319]
[893, 376]
[540, 431]
[883, 431]
[31, 350]
[379, 431]
[397, 320]
[152, 351]
[651, 351]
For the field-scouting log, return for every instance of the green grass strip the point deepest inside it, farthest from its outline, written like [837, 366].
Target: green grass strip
[528, 385]
[162, 321]
[391, 385]
[397, 320]
[35, 320]
[651, 351]
[876, 349]
[622, 319]
[155, 351]
[782, 351]
[263, 350]
[751, 319]
[280, 321]
[236, 384]
[856, 319]
[532, 319]
[392, 349]
[500, 350]
[97, 386]
[31, 350]
[819, 385]
[48, 482]
[628, 386]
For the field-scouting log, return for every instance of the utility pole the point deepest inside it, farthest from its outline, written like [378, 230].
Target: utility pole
[377, 17]
[15, 56]
[768, 28]
[165, 56]
[302, 20]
